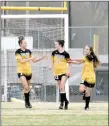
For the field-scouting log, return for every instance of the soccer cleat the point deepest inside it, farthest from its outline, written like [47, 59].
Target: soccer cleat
[61, 105]
[86, 108]
[29, 105]
[26, 105]
[66, 105]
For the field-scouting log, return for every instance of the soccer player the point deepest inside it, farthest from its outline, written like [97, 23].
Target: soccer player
[23, 58]
[61, 70]
[90, 62]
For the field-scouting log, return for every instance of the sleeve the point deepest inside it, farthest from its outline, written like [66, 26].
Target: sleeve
[52, 56]
[30, 53]
[84, 59]
[17, 55]
[67, 56]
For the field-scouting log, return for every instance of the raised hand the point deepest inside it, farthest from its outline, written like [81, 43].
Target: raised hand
[44, 57]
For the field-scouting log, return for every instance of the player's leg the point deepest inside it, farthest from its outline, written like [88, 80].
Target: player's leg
[87, 97]
[26, 89]
[58, 83]
[28, 81]
[60, 96]
[62, 90]
[29, 104]
[82, 89]
[58, 79]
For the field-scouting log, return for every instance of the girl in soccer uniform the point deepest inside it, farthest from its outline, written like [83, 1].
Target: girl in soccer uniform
[61, 70]
[23, 58]
[88, 77]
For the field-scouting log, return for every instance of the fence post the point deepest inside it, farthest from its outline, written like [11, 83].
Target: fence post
[90, 36]
[45, 81]
[5, 74]
[96, 43]
[0, 68]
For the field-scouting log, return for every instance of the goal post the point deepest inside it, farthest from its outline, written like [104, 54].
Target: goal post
[42, 16]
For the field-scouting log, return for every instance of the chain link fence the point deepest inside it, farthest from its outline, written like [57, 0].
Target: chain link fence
[43, 85]
[44, 36]
[86, 35]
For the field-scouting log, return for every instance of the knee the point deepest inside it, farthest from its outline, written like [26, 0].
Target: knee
[81, 89]
[62, 88]
[26, 88]
[87, 93]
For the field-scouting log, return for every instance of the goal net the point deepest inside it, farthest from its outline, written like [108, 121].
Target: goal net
[40, 31]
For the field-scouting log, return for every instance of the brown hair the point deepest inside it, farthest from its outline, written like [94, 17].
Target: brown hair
[93, 57]
[20, 38]
[61, 42]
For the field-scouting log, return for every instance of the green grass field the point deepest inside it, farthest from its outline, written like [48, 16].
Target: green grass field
[47, 114]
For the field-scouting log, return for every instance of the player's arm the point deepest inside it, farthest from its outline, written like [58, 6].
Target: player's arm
[51, 64]
[76, 61]
[69, 64]
[34, 59]
[69, 67]
[24, 60]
